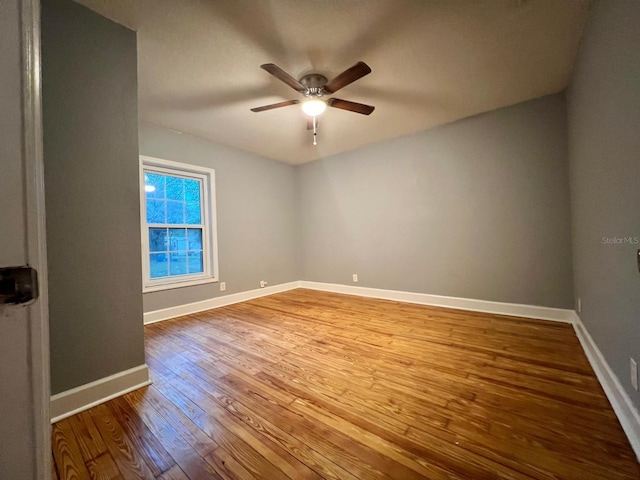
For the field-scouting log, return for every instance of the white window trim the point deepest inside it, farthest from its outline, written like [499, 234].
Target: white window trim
[210, 232]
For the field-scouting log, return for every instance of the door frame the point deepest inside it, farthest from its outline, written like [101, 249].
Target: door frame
[36, 231]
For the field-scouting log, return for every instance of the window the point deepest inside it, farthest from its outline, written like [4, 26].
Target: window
[179, 246]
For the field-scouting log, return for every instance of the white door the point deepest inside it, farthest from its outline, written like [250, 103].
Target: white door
[24, 433]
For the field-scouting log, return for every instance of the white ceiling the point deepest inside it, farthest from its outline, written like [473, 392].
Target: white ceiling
[432, 61]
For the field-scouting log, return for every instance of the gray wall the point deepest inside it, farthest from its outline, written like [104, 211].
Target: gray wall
[257, 209]
[604, 153]
[476, 209]
[17, 445]
[91, 173]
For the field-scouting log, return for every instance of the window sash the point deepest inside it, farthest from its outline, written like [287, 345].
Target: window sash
[169, 252]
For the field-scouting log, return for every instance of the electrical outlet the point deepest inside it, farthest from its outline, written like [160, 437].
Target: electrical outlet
[223, 286]
[263, 283]
[355, 278]
[634, 373]
[579, 305]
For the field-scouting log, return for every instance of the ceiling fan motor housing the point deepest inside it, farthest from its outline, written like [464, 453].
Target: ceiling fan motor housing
[314, 82]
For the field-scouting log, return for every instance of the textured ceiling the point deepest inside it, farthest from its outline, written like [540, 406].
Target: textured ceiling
[432, 61]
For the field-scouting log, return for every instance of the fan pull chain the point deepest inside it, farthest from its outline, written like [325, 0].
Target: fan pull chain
[315, 133]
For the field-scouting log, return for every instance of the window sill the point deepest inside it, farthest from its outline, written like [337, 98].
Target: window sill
[186, 283]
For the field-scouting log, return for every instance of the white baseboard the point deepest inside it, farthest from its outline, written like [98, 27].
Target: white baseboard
[189, 308]
[81, 398]
[486, 306]
[620, 401]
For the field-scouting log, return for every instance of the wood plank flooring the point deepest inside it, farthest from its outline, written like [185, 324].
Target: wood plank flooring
[312, 385]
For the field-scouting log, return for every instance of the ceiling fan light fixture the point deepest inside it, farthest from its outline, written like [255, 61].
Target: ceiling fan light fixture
[314, 107]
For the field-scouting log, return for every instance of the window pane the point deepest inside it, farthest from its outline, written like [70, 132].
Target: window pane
[175, 188]
[195, 238]
[193, 213]
[157, 239]
[195, 262]
[156, 211]
[178, 239]
[192, 190]
[158, 265]
[178, 264]
[175, 212]
[154, 185]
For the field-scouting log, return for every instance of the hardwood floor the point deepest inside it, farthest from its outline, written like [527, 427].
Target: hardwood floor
[311, 385]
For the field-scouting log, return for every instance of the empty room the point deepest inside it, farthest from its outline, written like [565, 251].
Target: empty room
[280, 239]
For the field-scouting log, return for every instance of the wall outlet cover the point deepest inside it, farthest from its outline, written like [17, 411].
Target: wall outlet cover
[223, 286]
[355, 277]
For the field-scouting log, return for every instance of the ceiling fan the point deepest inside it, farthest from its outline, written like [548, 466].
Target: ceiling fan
[314, 87]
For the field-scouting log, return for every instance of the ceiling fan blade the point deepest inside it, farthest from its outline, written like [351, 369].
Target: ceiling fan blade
[351, 106]
[350, 75]
[275, 105]
[283, 76]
